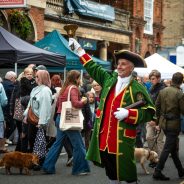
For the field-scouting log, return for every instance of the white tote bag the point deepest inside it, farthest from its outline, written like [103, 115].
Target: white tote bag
[71, 118]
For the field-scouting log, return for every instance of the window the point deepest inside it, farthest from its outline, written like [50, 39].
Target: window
[148, 16]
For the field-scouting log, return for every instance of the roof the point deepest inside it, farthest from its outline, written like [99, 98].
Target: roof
[16, 50]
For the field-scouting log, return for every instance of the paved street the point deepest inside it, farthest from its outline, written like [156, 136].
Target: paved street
[97, 175]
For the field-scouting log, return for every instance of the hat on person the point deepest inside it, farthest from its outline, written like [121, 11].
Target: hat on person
[40, 67]
[136, 59]
[34, 67]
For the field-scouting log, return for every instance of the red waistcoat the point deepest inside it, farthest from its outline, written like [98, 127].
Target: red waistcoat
[109, 129]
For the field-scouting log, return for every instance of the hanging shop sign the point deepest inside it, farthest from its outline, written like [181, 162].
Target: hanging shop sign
[12, 3]
[87, 44]
[91, 9]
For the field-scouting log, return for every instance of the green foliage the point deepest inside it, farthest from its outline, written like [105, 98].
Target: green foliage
[1, 20]
[20, 23]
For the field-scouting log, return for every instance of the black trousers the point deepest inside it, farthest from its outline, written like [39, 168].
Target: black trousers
[139, 143]
[68, 147]
[10, 125]
[170, 146]
[32, 131]
[109, 161]
[19, 128]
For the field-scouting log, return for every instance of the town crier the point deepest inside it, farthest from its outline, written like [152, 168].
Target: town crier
[113, 140]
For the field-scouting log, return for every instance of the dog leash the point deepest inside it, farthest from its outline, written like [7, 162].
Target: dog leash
[156, 138]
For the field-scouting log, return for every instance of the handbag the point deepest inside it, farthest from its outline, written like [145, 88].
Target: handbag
[18, 110]
[31, 117]
[71, 118]
[40, 144]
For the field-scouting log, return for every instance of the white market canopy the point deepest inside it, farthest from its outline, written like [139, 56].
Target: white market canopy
[165, 67]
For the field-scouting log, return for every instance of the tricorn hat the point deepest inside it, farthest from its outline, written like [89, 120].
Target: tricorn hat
[136, 59]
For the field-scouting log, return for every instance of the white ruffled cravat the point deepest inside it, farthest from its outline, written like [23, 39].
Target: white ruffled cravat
[122, 83]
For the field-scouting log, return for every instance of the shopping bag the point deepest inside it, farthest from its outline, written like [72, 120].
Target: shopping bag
[40, 144]
[18, 110]
[71, 118]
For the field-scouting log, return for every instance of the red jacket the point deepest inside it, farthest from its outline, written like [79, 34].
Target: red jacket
[74, 98]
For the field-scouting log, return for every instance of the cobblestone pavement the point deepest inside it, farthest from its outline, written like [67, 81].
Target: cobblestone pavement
[97, 175]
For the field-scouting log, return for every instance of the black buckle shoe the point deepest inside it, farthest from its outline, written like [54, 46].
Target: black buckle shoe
[181, 173]
[152, 164]
[157, 175]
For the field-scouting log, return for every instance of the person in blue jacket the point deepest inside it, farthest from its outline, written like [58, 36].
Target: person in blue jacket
[3, 102]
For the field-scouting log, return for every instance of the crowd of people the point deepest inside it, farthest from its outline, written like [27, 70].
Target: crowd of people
[113, 123]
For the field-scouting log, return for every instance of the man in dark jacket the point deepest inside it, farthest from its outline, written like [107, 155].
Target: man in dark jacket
[152, 130]
[8, 84]
[169, 106]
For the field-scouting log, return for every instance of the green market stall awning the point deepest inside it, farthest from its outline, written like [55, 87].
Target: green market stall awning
[55, 42]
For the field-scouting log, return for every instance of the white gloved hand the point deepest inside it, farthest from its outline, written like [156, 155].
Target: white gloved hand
[77, 47]
[74, 42]
[121, 113]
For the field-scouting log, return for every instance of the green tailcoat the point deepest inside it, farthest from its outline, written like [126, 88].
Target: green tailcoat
[126, 167]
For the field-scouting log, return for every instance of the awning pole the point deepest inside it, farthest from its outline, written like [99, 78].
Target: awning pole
[16, 68]
[82, 76]
[64, 74]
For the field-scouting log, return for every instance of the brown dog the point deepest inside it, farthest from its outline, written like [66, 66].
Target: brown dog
[19, 160]
[141, 155]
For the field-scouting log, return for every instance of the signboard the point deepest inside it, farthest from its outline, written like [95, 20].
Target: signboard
[91, 9]
[12, 3]
[87, 44]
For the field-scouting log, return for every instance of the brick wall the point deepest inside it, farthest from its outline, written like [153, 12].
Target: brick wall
[38, 17]
[173, 20]
[136, 7]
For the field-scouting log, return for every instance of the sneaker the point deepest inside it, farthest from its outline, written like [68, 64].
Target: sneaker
[8, 141]
[157, 175]
[83, 174]
[69, 162]
[152, 164]
[62, 153]
[181, 173]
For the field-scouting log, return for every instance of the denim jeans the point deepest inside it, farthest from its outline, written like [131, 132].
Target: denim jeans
[80, 164]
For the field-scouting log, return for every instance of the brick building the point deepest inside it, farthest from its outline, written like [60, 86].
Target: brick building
[137, 24]
[173, 20]
[146, 25]
[173, 35]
